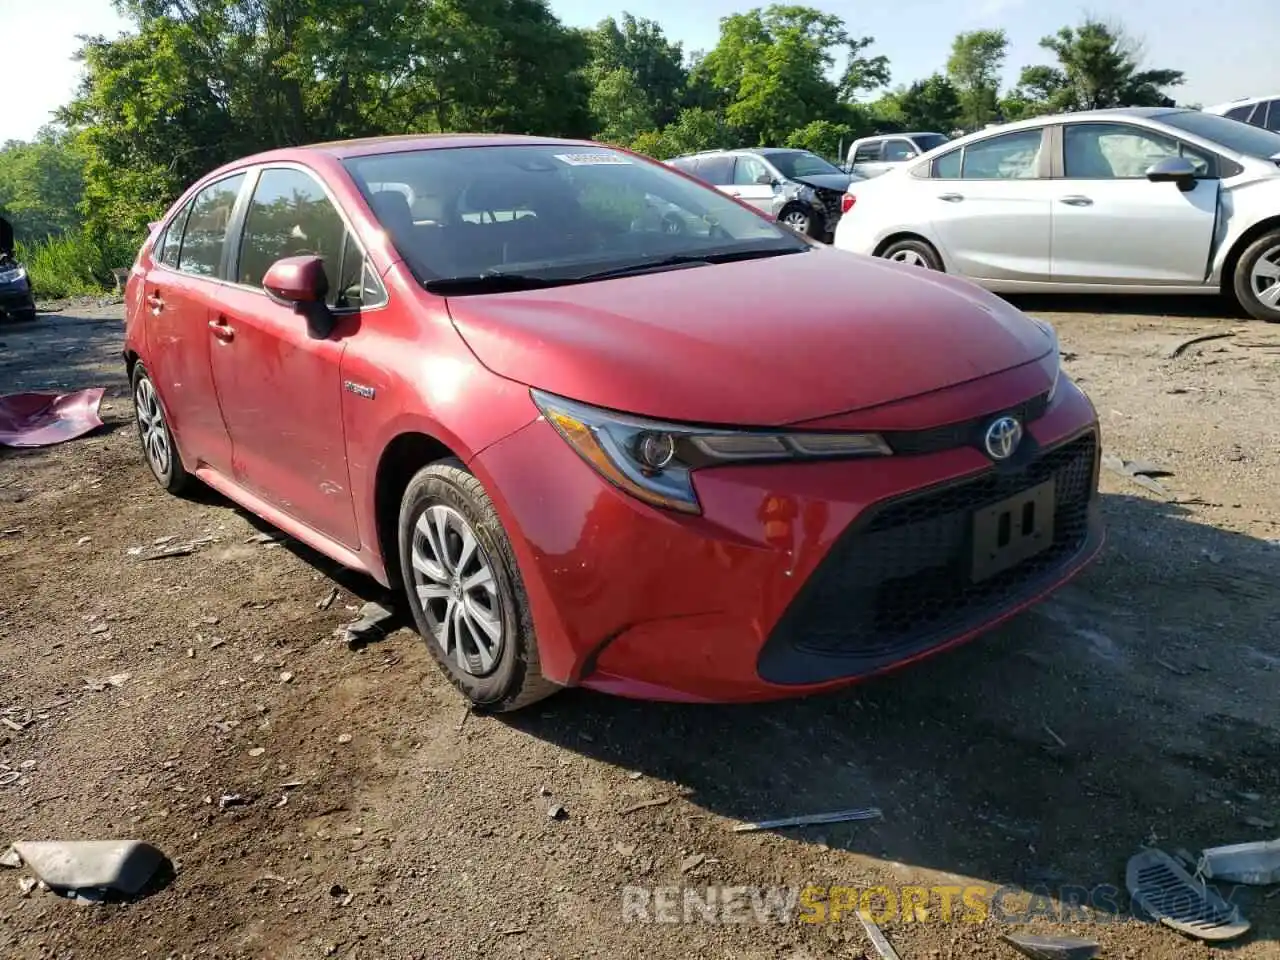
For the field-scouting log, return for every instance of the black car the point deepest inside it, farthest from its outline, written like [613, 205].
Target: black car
[16, 299]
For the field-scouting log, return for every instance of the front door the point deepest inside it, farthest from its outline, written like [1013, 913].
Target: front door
[179, 290]
[989, 207]
[753, 183]
[280, 388]
[1112, 225]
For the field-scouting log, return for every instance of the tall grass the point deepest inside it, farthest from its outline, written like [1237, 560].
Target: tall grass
[73, 264]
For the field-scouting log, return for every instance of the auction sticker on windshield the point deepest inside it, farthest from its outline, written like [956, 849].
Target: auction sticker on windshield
[592, 159]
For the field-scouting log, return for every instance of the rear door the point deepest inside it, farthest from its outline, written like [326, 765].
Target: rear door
[1112, 225]
[180, 290]
[867, 158]
[989, 206]
[280, 388]
[716, 170]
[748, 171]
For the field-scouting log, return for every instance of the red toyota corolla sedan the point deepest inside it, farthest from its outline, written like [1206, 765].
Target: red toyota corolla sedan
[608, 426]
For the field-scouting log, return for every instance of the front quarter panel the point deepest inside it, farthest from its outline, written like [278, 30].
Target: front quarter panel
[1247, 200]
[407, 371]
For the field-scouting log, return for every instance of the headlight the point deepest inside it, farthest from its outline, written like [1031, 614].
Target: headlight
[1053, 359]
[13, 275]
[654, 461]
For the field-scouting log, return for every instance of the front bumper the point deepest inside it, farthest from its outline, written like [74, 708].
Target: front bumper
[797, 578]
[16, 296]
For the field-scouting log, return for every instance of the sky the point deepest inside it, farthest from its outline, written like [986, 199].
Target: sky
[1227, 50]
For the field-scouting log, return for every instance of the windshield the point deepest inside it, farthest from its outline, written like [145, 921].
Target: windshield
[800, 163]
[927, 141]
[1232, 134]
[552, 213]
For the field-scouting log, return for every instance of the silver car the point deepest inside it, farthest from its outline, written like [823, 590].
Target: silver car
[795, 187]
[1139, 200]
[872, 156]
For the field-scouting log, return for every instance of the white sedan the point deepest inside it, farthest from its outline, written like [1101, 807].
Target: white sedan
[1134, 200]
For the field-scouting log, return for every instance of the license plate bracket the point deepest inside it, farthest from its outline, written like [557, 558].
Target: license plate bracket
[1011, 531]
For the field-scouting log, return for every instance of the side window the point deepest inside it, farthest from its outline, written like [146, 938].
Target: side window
[1273, 117]
[748, 171]
[868, 152]
[1258, 115]
[206, 229]
[947, 166]
[170, 243]
[358, 285]
[1111, 151]
[1240, 113]
[290, 216]
[895, 151]
[1010, 156]
[684, 166]
[716, 170]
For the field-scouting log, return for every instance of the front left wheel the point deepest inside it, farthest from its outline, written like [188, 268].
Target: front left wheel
[157, 439]
[465, 591]
[1257, 278]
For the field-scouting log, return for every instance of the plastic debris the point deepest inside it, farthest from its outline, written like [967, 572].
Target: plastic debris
[1052, 948]
[1167, 893]
[838, 816]
[1253, 863]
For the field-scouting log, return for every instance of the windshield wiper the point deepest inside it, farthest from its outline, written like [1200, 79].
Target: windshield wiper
[686, 260]
[490, 283]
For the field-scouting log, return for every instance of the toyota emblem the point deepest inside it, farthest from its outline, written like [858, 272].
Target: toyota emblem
[1002, 438]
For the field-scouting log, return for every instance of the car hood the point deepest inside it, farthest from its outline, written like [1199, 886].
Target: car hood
[761, 342]
[827, 181]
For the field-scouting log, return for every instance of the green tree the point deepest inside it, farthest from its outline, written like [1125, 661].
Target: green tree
[637, 48]
[930, 104]
[1098, 66]
[822, 137]
[974, 68]
[770, 70]
[203, 81]
[42, 183]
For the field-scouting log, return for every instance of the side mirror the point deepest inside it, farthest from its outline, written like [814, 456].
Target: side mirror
[1177, 170]
[765, 180]
[302, 283]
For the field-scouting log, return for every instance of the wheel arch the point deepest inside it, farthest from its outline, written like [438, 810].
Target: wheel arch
[1227, 276]
[402, 457]
[900, 235]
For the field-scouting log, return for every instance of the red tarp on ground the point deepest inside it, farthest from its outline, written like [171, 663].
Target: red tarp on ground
[43, 419]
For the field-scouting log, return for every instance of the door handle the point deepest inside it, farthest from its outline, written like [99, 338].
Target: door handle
[734, 193]
[222, 330]
[155, 302]
[1076, 201]
[951, 197]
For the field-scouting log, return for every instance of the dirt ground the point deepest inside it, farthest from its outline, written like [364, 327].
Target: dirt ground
[1138, 705]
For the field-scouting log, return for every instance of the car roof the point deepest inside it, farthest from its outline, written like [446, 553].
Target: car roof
[367, 146]
[1239, 102]
[1082, 116]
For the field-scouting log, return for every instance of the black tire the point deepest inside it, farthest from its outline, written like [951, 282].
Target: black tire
[811, 227]
[168, 471]
[1250, 290]
[514, 679]
[27, 315]
[916, 252]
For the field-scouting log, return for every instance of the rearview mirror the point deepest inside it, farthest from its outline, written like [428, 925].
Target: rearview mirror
[1177, 170]
[302, 282]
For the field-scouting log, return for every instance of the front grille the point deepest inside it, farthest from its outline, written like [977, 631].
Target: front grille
[965, 433]
[898, 581]
[830, 200]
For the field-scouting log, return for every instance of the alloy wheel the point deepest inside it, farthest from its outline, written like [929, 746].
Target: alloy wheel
[151, 427]
[910, 257]
[454, 581]
[1264, 278]
[797, 220]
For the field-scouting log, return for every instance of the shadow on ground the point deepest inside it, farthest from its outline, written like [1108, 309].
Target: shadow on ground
[1044, 754]
[63, 353]
[1141, 305]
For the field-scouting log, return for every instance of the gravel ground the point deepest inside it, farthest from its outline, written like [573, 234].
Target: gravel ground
[375, 818]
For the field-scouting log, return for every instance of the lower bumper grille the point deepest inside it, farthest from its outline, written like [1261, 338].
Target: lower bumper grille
[899, 581]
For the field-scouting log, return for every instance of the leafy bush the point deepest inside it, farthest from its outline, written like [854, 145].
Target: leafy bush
[74, 264]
